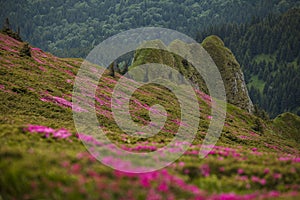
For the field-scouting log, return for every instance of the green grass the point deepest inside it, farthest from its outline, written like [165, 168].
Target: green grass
[35, 167]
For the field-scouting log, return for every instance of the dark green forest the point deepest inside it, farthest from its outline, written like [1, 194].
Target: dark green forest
[71, 28]
[269, 53]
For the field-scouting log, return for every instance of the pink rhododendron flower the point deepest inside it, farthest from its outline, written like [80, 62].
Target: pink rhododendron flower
[243, 178]
[266, 171]
[255, 179]
[75, 168]
[277, 176]
[145, 182]
[240, 171]
[263, 181]
[205, 170]
[163, 187]
[181, 164]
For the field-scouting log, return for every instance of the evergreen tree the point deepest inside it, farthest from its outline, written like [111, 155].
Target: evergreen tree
[25, 51]
[111, 70]
[258, 125]
[6, 26]
[8, 31]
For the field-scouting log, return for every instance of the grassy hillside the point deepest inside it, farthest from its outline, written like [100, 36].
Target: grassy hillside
[41, 156]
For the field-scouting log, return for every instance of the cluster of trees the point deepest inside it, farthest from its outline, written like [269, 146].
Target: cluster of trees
[269, 53]
[72, 28]
[6, 29]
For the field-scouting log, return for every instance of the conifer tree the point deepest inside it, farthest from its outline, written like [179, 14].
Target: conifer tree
[25, 51]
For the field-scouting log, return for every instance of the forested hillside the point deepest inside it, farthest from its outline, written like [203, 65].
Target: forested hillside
[269, 52]
[70, 28]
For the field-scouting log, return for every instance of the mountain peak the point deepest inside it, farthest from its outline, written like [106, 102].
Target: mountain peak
[213, 39]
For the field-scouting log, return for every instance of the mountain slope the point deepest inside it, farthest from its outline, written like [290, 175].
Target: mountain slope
[41, 156]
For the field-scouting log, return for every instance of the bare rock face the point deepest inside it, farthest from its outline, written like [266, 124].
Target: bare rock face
[233, 77]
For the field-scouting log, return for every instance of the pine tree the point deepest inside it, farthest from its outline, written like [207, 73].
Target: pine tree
[8, 31]
[111, 70]
[6, 25]
[258, 125]
[25, 51]
[125, 68]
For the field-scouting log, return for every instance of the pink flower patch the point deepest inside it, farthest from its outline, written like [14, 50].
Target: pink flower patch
[75, 168]
[62, 133]
[63, 102]
[277, 176]
[255, 179]
[205, 170]
[263, 181]
[47, 131]
[36, 49]
[163, 187]
[181, 164]
[243, 137]
[240, 171]
[38, 61]
[42, 68]
[266, 171]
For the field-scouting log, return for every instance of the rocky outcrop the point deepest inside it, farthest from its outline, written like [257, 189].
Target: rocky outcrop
[235, 87]
[233, 77]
